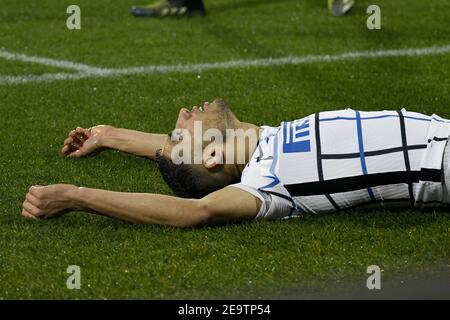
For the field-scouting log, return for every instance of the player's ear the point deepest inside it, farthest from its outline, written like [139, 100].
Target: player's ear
[213, 156]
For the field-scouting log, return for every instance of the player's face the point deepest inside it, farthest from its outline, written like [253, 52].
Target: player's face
[211, 114]
[214, 114]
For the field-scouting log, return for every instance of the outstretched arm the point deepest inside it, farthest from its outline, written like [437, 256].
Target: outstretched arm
[216, 208]
[81, 142]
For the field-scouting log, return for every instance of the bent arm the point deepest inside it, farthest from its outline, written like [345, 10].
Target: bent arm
[82, 142]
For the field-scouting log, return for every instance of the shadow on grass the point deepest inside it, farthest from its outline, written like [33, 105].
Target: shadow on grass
[416, 283]
[358, 219]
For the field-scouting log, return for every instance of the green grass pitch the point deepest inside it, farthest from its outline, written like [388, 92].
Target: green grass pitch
[301, 258]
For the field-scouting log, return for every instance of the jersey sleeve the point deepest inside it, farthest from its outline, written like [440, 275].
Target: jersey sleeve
[272, 206]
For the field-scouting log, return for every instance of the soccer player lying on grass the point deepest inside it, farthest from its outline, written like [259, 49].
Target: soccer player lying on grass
[232, 170]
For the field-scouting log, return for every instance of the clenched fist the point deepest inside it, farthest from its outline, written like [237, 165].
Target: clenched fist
[49, 201]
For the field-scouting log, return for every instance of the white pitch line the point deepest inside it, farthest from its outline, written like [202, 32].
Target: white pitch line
[46, 77]
[92, 72]
[12, 56]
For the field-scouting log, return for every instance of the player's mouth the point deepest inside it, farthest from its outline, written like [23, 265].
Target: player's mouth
[187, 114]
[199, 109]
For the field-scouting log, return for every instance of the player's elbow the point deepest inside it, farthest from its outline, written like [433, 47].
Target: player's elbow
[199, 214]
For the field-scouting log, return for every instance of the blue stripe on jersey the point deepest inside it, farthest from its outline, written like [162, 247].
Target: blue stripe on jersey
[274, 178]
[291, 136]
[336, 118]
[439, 120]
[272, 184]
[361, 151]
[303, 126]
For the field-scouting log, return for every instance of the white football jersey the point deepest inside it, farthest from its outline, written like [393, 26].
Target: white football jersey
[337, 160]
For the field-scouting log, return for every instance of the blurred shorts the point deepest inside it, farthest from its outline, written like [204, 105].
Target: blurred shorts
[446, 173]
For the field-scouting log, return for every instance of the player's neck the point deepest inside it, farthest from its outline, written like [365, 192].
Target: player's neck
[250, 145]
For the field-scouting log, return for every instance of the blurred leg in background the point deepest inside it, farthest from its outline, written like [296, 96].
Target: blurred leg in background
[170, 8]
[191, 8]
[340, 7]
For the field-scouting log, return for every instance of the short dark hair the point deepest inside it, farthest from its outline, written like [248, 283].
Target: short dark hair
[186, 182]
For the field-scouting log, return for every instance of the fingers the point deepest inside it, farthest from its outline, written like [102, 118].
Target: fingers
[34, 190]
[83, 133]
[66, 150]
[75, 154]
[34, 195]
[88, 147]
[79, 135]
[69, 140]
[70, 146]
[30, 209]
[32, 206]
[32, 199]
[75, 140]
[28, 215]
